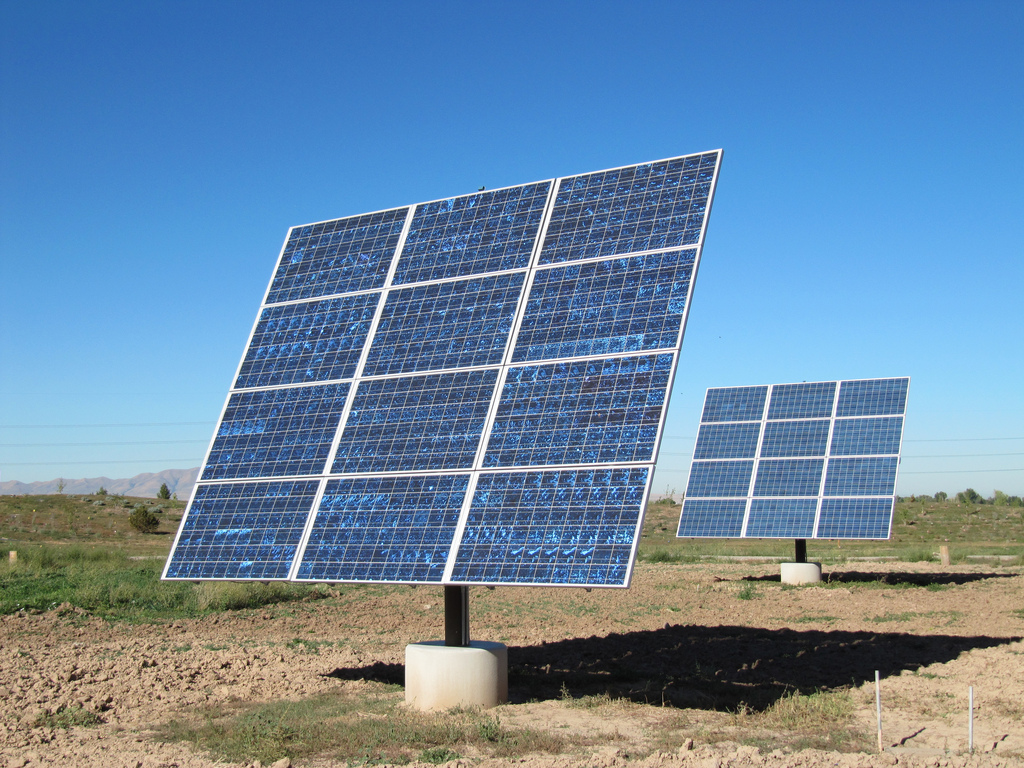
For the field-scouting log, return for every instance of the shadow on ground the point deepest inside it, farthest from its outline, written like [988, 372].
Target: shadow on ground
[896, 579]
[719, 668]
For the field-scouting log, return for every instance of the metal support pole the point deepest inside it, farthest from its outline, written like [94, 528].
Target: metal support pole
[970, 718]
[878, 709]
[456, 616]
[801, 551]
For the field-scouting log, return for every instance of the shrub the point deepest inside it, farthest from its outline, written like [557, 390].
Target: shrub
[164, 492]
[143, 521]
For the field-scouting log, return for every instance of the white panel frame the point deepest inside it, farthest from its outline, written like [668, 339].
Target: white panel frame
[477, 469]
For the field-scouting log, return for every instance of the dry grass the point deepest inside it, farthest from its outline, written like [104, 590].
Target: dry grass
[371, 726]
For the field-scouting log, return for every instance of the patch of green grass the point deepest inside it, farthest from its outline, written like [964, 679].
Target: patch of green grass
[358, 729]
[814, 618]
[747, 592]
[108, 583]
[438, 755]
[68, 717]
[821, 720]
[916, 556]
[947, 618]
[308, 646]
[1019, 613]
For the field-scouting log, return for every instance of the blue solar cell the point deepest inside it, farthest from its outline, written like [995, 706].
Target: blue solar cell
[461, 236]
[863, 518]
[853, 437]
[445, 325]
[782, 518]
[580, 412]
[574, 527]
[606, 307]
[276, 432]
[811, 400]
[307, 342]
[727, 441]
[338, 256]
[416, 423]
[641, 208]
[875, 476]
[873, 397]
[719, 478]
[734, 404]
[701, 518]
[795, 438]
[788, 477]
[396, 529]
[242, 530]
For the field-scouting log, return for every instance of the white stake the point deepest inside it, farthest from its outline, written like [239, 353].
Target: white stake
[970, 718]
[878, 709]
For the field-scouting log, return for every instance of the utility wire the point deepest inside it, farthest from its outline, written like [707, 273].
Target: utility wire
[91, 426]
[962, 471]
[191, 459]
[80, 445]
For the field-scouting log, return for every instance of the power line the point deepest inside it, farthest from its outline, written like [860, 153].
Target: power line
[961, 471]
[958, 455]
[958, 439]
[92, 426]
[80, 445]
[191, 459]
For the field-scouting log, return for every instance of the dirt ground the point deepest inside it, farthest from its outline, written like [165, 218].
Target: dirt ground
[678, 655]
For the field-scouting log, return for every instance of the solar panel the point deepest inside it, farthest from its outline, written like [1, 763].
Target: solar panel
[797, 461]
[463, 391]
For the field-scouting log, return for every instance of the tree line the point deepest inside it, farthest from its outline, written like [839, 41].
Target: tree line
[970, 496]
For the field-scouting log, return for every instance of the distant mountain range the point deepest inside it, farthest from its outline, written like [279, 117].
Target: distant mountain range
[179, 481]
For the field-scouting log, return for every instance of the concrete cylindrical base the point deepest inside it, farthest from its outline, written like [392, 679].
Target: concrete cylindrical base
[439, 676]
[800, 573]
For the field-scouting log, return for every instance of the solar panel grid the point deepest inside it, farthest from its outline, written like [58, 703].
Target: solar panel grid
[648, 207]
[409, 313]
[276, 432]
[853, 437]
[341, 256]
[491, 232]
[795, 438]
[454, 324]
[727, 441]
[242, 530]
[427, 422]
[788, 477]
[384, 529]
[552, 527]
[580, 412]
[311, 341]
[789, 518]
[822, 443]
[606, 307]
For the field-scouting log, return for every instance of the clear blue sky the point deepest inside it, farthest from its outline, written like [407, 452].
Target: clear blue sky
[869, 219]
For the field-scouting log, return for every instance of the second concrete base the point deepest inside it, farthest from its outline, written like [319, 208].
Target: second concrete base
[800, 573]
[438, 676]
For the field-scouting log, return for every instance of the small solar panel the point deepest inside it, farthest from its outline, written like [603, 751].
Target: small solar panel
[797, 461]
[463, 391]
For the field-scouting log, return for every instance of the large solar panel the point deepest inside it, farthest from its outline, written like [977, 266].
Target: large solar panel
[464, 391]
[813, 460]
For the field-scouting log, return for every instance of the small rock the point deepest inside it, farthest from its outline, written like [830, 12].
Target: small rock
[687, 745]
[284, 762]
